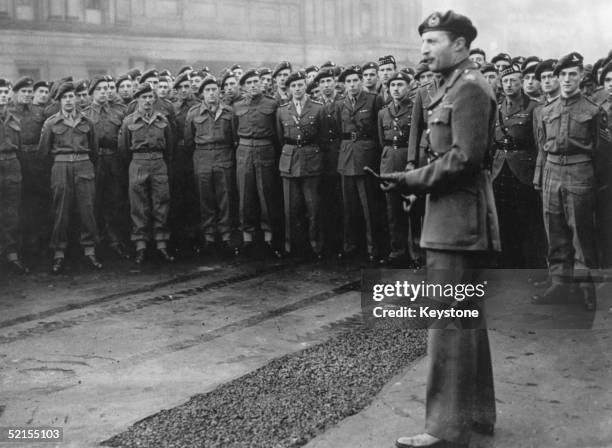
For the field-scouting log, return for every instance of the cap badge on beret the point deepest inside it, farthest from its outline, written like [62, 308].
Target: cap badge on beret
[434, 20]
[575, 59]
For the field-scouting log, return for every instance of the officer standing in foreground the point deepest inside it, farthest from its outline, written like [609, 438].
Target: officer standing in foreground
[301, 162]
[145, 142]
[68, 139]
[577, 149]
[460, 229]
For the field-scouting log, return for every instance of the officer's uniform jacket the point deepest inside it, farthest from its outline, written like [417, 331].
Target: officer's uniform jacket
[515, 124]
[146, 135]
[330, 133]
[460, 212]
[60, 138]
[282, 98]
[418, 141]
[107, 120]
[300, 136]
[359, 128]
[393, 132]
[10, 134]
[211, 133]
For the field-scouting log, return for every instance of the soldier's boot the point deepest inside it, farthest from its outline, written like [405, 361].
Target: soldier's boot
[556, 293]
[58, 264]
[90, 259]
[16, 264]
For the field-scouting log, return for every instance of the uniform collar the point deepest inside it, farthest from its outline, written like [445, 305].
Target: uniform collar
[572, 99]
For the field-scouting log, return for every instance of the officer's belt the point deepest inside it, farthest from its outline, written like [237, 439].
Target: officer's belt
[9, 155]
[213, 146]
[147, 155]
[355, 136]
[265, 141]
[397, 143]
[290, 141]
[73, 157]
[107, 151]
[568, 159]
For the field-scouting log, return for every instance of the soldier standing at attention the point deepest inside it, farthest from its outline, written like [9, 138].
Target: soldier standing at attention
[124, 89]
[230, 89]
[369, 72]
[41, 94]
[266, 81]
[256, 169]
[311, 71]
[68, 139]
[111, 177]
[386, 69]
[10, 183]
[162, 105]
[146, 143]
[301, 162]
[531, 85]
[460, 228]
[279, 75]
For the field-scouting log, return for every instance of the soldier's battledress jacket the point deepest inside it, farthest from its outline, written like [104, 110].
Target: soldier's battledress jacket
[107, 120]
[142, 134]
[394, 123]
[59, 138]
[213, 133]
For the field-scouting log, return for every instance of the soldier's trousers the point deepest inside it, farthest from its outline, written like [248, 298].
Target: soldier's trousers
[460, 387]
[359, 195]
[302, 193]
[149, 194]
[111, 198]
[36, 200]
[256, 173]
[568, 195]
[399, 228]
[215, 185]
[10, 201]
[73, 185]
[331, 211]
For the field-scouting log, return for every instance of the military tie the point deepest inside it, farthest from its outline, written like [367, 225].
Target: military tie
[298, 108]
[352, 99]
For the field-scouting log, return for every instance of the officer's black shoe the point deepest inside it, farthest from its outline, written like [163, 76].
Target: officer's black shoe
[58, 266]
[92, 262]
[164, 255]
[558, 293]
[120, 252]
[17, 267]
[140, 256]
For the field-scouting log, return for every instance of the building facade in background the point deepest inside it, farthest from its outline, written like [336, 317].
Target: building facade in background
[48, 39]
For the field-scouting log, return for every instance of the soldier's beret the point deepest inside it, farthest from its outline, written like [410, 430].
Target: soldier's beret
[295, 76]
[81, 86]
[185, 76]
[39, 84]
[122, 79]
[352, 70]
[64, 88]
[250, 73]
[478, 51]
[488, 68]
[134, 73]
[501, 57]
[421, 68]
[184, 68]
[235, 67]
[311, 68]
[208, 80]
[587, 78]
[284, 65]
[569, 60]
[95, 81]
[166, 79]
[165, 72]
[336, 70]
[545, 66]
[153, 73]
[205, 69]
[4, 82]
[264, 71]
[198, 74]
[529, 64]
[144, 88]
[510, 71]
[323, 73]
[368, 66]
[388, 59]
[400, 76]
[22, 82]
[517, 60]
[311, 86]
[449, 21]
[606, 69]
[409, 71]
[328, 64]
[226, 76]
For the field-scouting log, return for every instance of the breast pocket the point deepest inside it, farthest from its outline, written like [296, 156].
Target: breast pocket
[440, 134]
[60, 134]
[580, 126]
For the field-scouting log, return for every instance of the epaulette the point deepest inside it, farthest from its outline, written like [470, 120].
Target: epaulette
[317, 102]
[468, 75]
[285, 104]
[590, 100]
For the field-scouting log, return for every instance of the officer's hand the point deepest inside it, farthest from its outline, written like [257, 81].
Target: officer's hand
[390, 181]
[407, 201]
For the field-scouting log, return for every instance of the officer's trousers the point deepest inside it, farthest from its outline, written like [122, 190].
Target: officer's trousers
[359, 194]
[302, 193]
[331, 211]
[399, 225]
[568, 195]
[460, 387]
[111, 198]
[149, 194]
[73, 184]
[10, 201]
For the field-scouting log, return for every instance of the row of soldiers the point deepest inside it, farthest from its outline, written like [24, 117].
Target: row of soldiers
[225, 148]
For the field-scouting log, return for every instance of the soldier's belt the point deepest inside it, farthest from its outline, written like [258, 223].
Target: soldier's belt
[213, 146]
[9, 155]
[256, 141]
[355, 136]
[397, 143]
[290, 141]
[29, 148]
[74, 157]
[107, 151]
[147, 155]
[568, 159]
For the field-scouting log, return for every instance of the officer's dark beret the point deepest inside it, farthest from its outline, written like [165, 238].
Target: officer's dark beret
[311, 86]
[388, 59]
[264, 71]
[606, 69]
[226, 76]
[208, 80]
[510, 71]
[134, 73]
[569, 60]
[184, 68]
[4, 82]
[95, 81]
[488, 68]
[311, 68]
[368, 66]
[144, 88]
[421, 68]
[408, 70]
[181, 79]
[328, 64]
[478, 51]
[323, 73]
[235, 67]
[295, 76]
[400, 76]
[501, 57]
[81, 86]
[281, 66]
[545, 66]
[39, 84]
[352, 70]
[153, 73]
[449, 21]
[122, 79]
[529, 64]
[250, 73]
[22, 82]
[165, 72]
[63, 88]
[198, 74]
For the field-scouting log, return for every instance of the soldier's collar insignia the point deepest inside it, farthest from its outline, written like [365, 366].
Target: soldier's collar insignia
[434, 20]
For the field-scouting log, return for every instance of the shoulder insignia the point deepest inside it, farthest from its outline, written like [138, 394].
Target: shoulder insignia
[317, 102]
[469, 77]
[284, 104]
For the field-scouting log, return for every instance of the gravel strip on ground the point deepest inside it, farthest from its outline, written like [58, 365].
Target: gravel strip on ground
[288, 401]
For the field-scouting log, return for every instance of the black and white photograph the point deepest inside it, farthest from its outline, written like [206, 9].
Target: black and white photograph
[305, 223]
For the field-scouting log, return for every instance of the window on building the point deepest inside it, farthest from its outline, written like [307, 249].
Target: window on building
[4, 8]
[93, 12]
[65, 9]
[24, 10]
